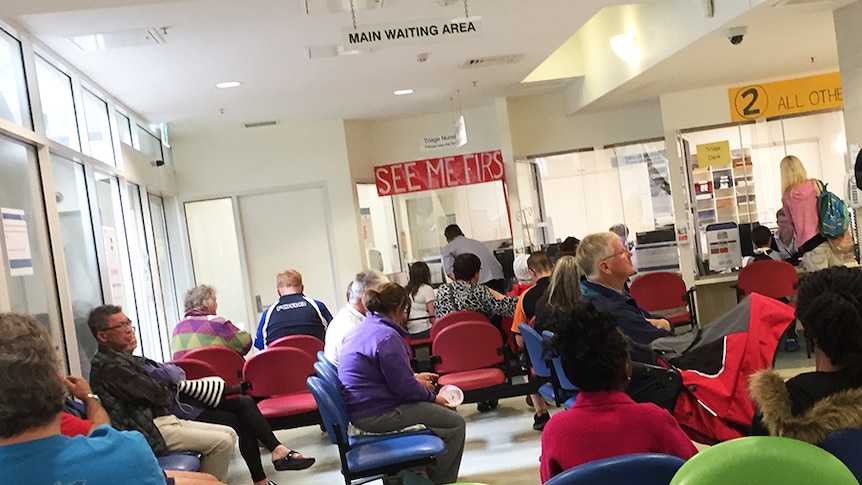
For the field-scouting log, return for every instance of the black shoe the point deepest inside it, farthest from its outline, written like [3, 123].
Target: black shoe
[540, 420]
[293, 461]
[529, 400]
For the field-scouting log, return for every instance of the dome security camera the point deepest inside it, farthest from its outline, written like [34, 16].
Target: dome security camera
[736, 34]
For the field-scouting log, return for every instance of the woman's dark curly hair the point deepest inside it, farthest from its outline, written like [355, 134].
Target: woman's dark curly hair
[592, 349]
[828, 305]
[31, 393]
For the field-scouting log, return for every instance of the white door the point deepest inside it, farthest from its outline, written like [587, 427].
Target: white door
[289, 230]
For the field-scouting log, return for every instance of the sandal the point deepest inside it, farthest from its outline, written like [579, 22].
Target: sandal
[293, 461]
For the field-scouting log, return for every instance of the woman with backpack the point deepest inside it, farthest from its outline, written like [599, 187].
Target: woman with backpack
[799, 199]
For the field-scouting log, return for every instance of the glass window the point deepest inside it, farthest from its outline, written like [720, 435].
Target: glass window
[747, 189]
[163, 256]
[58, 107]
[120, 290]
[27, 264]
[13, 89]
[631, 182]
[98, 127]
[378, 230]
[155, 341]
[79, 249]
[150, 144]
[479, 209]
[124, 128]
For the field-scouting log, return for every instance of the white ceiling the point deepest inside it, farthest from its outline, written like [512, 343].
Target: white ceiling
[262, 44]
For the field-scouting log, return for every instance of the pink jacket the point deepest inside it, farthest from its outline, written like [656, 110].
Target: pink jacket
[800, 206]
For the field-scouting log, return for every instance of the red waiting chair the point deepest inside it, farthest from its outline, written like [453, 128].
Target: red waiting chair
[277, 377]
[664, 293]
[226, 362]
[456, 317]
[469, 355]
[194, 368]
[774, 279]
[306, 343]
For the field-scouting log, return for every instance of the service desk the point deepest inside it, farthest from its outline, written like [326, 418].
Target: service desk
[714, 296]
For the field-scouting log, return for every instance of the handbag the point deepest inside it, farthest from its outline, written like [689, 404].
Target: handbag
[208, 390]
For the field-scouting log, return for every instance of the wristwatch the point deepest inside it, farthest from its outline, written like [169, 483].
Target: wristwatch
[92, 396]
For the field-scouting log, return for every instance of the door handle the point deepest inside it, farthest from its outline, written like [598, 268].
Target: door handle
[257, 301]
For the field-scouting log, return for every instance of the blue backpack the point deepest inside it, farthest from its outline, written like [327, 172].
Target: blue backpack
[832, 213]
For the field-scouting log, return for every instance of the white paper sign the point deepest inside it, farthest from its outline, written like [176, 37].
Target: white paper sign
[115, 273]
[17, 242]
[436, 142]
[412, 32]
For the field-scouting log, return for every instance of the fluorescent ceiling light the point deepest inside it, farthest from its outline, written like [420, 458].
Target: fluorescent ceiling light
[116, 40]
[626, 47]
[402, 92]
[228, 84]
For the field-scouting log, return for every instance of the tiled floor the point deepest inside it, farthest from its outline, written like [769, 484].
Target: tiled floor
[502, 447]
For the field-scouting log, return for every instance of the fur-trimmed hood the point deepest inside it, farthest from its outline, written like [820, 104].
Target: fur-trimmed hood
[836, 412]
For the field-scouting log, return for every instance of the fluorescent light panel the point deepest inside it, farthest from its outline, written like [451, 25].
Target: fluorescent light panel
[402, 92]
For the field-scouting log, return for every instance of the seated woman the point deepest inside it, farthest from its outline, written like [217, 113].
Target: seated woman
[421, 301]
[240, 413]
[380, 390]
[604, 421]
[812, 405]
[201, 327]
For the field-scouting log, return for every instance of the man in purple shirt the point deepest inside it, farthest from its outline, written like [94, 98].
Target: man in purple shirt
[382, 393]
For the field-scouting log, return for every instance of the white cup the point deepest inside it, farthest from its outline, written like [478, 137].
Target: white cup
[453, 394]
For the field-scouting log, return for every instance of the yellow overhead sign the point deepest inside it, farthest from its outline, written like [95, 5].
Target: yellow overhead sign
[779, 98]
[713, 154]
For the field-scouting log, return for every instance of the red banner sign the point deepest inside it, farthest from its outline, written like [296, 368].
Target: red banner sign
[438, 173]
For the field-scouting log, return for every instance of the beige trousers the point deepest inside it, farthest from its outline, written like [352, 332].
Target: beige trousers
[214, 441]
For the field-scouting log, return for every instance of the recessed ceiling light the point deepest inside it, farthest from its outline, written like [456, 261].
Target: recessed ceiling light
[402, 92]
[228, 84]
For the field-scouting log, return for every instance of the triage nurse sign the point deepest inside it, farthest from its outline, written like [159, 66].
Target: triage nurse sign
[438, 173]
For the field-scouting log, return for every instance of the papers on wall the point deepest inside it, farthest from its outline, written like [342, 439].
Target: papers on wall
[115, 273]
[17, 242]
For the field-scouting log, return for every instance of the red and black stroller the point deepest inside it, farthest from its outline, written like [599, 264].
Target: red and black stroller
[714, 364]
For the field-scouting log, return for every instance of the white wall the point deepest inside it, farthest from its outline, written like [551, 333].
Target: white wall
[540, 125]
[243, 161]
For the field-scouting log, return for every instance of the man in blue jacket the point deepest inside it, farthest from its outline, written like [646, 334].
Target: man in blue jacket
[606, 265]
[293, 313]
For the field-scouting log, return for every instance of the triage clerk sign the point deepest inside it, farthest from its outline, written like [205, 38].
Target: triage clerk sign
[438, 173]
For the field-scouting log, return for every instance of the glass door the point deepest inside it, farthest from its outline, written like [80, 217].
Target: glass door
[79, 250]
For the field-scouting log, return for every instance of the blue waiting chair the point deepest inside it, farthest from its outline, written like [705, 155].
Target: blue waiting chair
[541, 360]
[186, 461]
[846, 446]
[558, 372]
[372, 456]
[639, 468]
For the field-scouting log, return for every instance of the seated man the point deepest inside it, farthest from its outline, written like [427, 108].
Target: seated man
[352, 313]
[32, 450]
[606, 266]
[137, 402]
[293, 313]
[72, 425]
[466, 294]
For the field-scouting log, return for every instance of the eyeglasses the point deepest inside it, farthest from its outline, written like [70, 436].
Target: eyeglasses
[125, 326]
[618, 253]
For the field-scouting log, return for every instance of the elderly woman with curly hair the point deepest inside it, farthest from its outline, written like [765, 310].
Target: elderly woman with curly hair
[812, 405]
[32, 393]
[201, 327]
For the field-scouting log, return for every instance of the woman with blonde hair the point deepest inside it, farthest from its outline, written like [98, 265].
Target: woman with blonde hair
[799, 200]
[563, 292]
